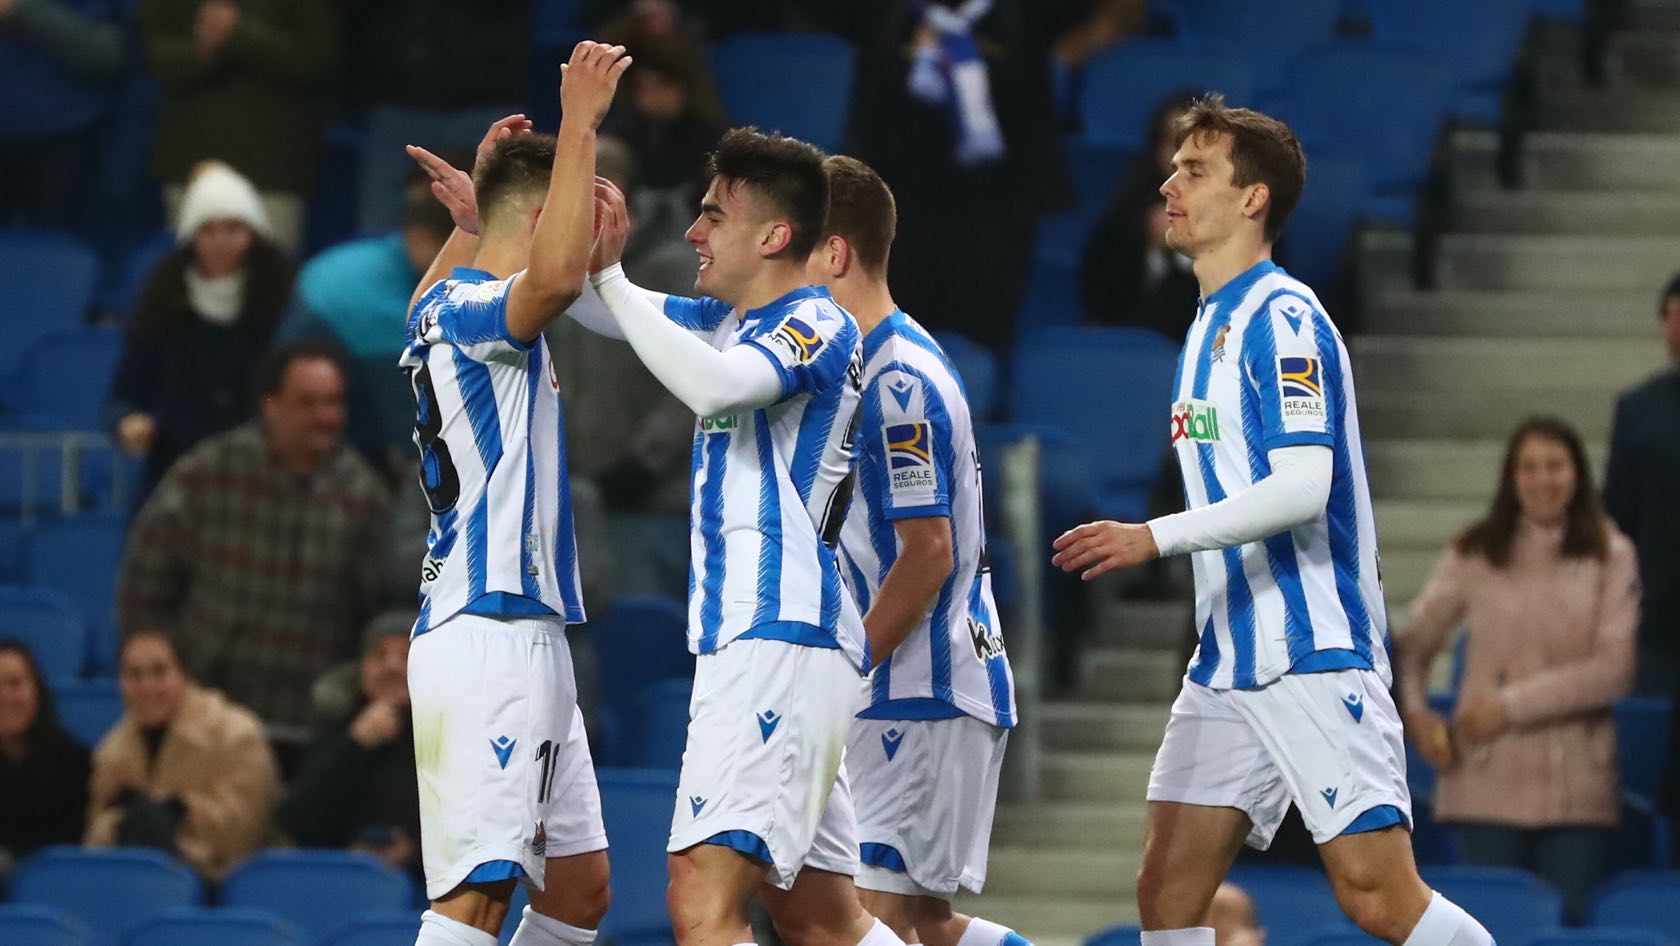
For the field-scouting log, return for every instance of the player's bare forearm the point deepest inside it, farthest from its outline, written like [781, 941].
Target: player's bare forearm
[912, 584]
[458, 250]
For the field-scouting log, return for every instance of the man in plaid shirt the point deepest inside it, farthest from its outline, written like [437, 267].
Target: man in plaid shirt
[261, 550]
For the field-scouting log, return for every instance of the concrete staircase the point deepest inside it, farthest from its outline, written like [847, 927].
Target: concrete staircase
[1545, 301]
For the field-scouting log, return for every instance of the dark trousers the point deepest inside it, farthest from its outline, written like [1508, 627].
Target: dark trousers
[1572, 859]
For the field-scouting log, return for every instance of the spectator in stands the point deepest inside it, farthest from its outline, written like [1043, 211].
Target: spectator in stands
[356, 786]
[1128, 275]
[205, 316]
[43, 769]
[1549, 591]
[1639, 491]
[185, 769]
[56, 59]
[243, 82]
[261, 551]
[673, 118]
[1233, 918]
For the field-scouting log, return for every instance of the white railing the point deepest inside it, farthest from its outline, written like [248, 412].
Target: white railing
[1024, 633]
[32, 453]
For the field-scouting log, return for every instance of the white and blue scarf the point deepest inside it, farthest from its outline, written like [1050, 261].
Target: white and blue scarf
[952, 73]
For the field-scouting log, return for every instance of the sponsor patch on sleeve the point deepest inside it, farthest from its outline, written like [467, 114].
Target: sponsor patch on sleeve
[910, 460]
[796, 337]
[1301, 388]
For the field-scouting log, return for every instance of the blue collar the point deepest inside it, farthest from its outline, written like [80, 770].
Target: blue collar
[1238, 287]
[890, 326]
[777, 306]
[468, 274]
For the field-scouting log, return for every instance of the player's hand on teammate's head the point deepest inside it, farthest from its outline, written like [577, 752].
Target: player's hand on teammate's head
[500, 131]
[612, 225]
[1098, 547]
[588, 81]
[452, 187]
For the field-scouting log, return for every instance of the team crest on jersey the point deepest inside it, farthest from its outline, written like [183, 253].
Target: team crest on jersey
[1301, 388]
[910, 457]
[1218, 352]
[799, 338]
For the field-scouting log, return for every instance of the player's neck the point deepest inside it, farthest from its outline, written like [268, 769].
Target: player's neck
[774, 281]
[869, 301]
[1221, 264]
[501, 256]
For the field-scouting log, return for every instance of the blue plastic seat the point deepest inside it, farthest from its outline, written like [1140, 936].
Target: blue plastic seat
[1125, 83]
[1343, 934]
[107, 889]
[1645, 899]
[30, 925]
[1476, 42]
[48, 281]
[127, 276]
[79, 558]
[977, 368]
[1604, 936]
[1112, 387]
[1052, 299]
[641, 640]
[88, 708]
[1317, 236]
[1641, 724]
[1385, 104]
[377, 929]
[662, 725]
[1120, 934]
[1098, 170]
[49, 624]
[1294, 903]
[316, 891]
[1288, 29]
[64, 377]
[196, 926]
[1512, 904]
[1067, 495]
[799, 84]
[636, 806]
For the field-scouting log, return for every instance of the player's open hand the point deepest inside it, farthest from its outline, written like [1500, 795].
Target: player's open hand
[500, 131]
[612, 225]
[452, 186]
[1098, 547]
[588, 81]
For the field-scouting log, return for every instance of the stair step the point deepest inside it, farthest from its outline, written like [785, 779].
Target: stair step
[1422, 524]
[1474, 312]
[1130, 675]
[1389, 414]
[1484, 261]
[1650, 111]
[1070, 825]
[1458, 366]
[1132, 623]
[1404, 572]
[1037, 871]
[1047, 920]
[1097, 777]
[1557, 160]
[1090, 727]
[1611, 213]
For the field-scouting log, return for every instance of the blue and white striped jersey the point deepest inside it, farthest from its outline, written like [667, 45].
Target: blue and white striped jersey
[1263, 368]
[917, 457]
[771, 486]
[492, 460]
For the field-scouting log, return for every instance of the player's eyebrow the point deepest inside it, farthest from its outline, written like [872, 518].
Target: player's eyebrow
[1189, 163]
[711, 207]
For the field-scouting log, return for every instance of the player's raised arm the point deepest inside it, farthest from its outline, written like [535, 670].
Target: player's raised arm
[561, 244]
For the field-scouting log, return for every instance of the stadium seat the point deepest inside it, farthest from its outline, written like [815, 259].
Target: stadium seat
[193, 926]
[316, 891]
[1289, 29]
[1512, 904]
[1648, 899]
[1065, 490]
[107, 889]
[1642, 722]
[12, 533]
[661, 725]
[47, 280]
[1125, 83]
[64, 379]
[49, 624]
[799, 84]
[977, 368]
[1318, 235]
[641, 640]
[29, 925]
[1120, 934]
[1294, 903]
[378, 929]
[1052, 299]
[1603, 936]
[1113, 387]
[88, 708]
[636, 807]
[1476, 42]
[1386, 105]
[79, 558]
[1098, 170]
[126, 277]
[1343, 934]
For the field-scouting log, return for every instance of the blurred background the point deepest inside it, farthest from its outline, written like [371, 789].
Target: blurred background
[210, 525]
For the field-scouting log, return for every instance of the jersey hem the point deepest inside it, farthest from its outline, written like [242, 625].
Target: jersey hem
[963, 706]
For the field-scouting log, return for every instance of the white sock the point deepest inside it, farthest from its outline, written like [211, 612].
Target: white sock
[1194, 936]
[1445, 923]
[536, 929]
[983, 932]
[880, 935]
[439, 930]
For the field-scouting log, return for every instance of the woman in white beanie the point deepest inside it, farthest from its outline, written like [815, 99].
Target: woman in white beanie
[205, 317]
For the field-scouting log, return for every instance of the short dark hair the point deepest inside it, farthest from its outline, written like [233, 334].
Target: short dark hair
[515, 167]
[1672, 292]
[785, 172]
[1263, 151]
[271, 371]
[861, 211]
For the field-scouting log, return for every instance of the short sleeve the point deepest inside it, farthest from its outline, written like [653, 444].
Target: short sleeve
[697, 315]
[472, 316]
[812, 348]
[1294, 370]
[908, 430]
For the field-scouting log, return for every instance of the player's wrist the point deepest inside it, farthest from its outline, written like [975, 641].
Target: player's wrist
[608, 274]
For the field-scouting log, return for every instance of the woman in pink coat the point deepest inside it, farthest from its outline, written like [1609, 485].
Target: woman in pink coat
[1548, 591]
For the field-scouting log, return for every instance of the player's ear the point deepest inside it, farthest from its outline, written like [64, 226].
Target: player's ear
[776, 238]
[1255, 202]
[839, 255]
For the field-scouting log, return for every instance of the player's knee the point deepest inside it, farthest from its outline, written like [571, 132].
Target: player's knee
[1373, 910]
[692, 905]
[593, 901]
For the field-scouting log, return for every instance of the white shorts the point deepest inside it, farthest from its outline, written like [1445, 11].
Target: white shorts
[925, 792]
[1329, 742]
[505, 773]
[766, 738]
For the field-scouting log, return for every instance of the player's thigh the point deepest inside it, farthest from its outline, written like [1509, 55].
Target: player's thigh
[575, 889]
[1187, 850]
[820, 908]
[710, 882]
[1376, 881]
